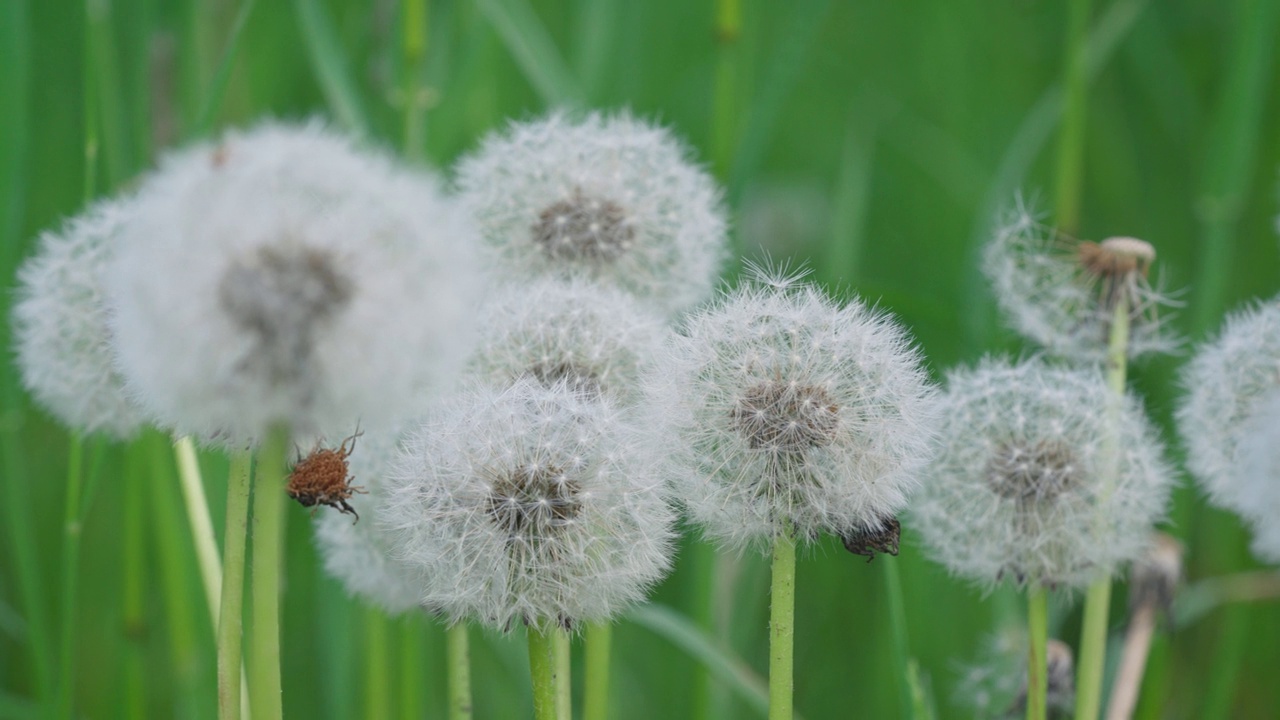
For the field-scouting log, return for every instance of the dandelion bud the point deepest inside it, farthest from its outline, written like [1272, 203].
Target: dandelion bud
[528, 504]
[60, 324]
[1040, 477]
[285, 275]
[1062, 293]
[592, 337]
[1228, 383]
[781, 412]
[611, 198]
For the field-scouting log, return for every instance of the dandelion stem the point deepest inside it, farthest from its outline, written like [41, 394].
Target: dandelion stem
[460, 671]
[71, 527]
[201, 525]
[1037, 660]
[377, 692]
[412, 666]
[1097, 603]
[782, 611]
[1071, 141]
[268, 537]
[702, 561]
[901, 642]
[1133, 661]
[728, 28]
[133, 602]
[564, 673]
[231, 612]
[543, 672]
[596, 693]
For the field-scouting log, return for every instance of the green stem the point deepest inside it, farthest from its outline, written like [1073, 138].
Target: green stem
[564, 673]
[595, 699]
[412, 667]
[71, 527]
[459, 655]
[724, 117]
[1071, 143]
[413, 48]
[231, 608]
[202, 537]
[543, 672]
[1037, 661]
[1097, 604]
[134, 565]
[901, 641]
[268, 537]
[782, 611]
[702, 602]
[377, 690]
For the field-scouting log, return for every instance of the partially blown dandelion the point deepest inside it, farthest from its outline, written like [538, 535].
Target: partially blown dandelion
[526, 504]
[1018, 490]
[780, 412]
[61, 328]
[1062, 293]
[612, 198]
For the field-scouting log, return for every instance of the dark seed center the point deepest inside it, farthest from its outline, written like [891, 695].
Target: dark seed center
[1033, 472]
[582, 228]
[533, 500]
[786, 417]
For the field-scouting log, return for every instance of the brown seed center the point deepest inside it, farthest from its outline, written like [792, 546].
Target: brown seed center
[577, 377]
[533, 500]
[583, 228]
[1037, 472]
[1116, 257]
[786, 417]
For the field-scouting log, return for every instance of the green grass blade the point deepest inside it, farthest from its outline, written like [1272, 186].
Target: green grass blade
[218, 86]
[530, 44]
[331, 66]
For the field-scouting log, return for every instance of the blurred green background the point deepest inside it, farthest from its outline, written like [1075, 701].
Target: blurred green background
[876, 141]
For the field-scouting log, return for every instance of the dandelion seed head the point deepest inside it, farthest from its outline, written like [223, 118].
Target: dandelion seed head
[1020, 488]
[777, 410]
[613, 198]
[60, 324]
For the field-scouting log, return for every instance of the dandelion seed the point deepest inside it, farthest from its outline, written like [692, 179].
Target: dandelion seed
[285, 275]
[779, 411]
[1019, 490]
[61, 329]
[611, 198]
[527, 504]
[1062, 293]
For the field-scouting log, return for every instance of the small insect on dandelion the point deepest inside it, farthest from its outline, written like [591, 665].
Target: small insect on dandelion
[866, 542]
[321, 478]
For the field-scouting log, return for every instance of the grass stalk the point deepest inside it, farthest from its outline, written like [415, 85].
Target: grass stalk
[1070, 166]
[377, 666]
[413, 48]
[725, 95]
[599, 642]
[459, 660]
[231, 608]
[268, 539]
[68, 588]
[1037, 657]
[413, 667]
[782, 611]
[134, 583]
[1097, 603]
[543, 672]
[901, 640]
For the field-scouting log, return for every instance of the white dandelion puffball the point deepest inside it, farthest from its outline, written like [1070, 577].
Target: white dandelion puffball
[527, 504]
[778, 411]
[1257, 482]
[613, 198]
[60, 324]
[359, 553]
[287, 275]
[1062, 293]
[1043, 477]
[1225, 381]
[593, 337]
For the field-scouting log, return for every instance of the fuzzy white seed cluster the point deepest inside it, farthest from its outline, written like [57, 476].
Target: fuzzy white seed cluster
[1231, 384]
[1043, 477]
[611, 198]
[779, 411]
[595, 338]
[60, 324]
[1061, 293]
[287, 275]
[526, 504]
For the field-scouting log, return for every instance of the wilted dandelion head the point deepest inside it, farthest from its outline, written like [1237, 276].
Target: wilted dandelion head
[1022, 487]
[995, 686]
[1227, 381]
[780, 411]
[286, 275]
[359, 554]
[60, 324]
[1062, 293]
[612, 198]
[592, 337]
[527, 504]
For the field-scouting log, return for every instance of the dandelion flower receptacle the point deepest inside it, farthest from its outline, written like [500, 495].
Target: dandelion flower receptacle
[1062, 293]
[1021, 489]
[60, 324]
[779, 411]
[286, 275]
[613, 198]
[527, 504]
